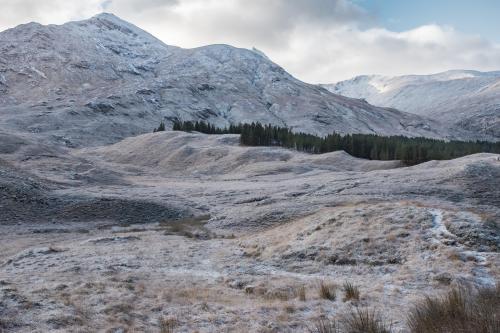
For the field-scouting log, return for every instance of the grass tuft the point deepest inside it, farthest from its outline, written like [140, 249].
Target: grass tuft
[325, 326]
[167, 325]
[301, 293]
[460, 310]
[351, 292]
[364, 321]
[327, 291]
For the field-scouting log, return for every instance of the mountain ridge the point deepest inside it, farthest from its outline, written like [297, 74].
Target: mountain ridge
[97, 81]
[465, 98]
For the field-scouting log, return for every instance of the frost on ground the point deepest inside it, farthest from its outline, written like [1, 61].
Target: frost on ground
[197, 232]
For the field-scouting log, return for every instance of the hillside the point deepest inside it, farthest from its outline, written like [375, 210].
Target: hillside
[100, 80]
[124, 236]
[468, 99]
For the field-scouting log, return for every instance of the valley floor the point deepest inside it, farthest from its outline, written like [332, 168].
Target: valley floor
[196, 233]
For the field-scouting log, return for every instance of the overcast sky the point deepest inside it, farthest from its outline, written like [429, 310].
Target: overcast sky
[319, 41]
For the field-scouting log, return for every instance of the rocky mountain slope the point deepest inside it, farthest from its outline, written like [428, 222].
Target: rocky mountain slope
[469, 99]
[97, 81]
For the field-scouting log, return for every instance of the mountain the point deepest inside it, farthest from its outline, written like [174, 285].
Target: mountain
[100, 80]
[468, 99]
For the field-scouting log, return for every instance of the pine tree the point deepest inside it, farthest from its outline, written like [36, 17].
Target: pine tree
[409, 150]
[160, 128]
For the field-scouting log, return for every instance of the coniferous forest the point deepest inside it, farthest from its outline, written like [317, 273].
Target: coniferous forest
[409, 150]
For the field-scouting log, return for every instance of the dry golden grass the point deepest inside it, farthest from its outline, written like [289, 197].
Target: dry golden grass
[460, 310]
[351, 292]
[289, 308]
[327, 291]
[301, 292]
[324, 326]
[364, 321]
[167, 325]
[391, 237]
[453, 254]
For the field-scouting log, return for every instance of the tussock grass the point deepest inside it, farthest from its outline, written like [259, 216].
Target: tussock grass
[356, 321]
[167, 325]
[289, 308]
[327, 291]
[351, 292]
[281, 294]
[364, 321]
[460, 310]
[301, 293]
[325, 326]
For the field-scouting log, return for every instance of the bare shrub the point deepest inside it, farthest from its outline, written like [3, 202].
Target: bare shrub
[364, 321]
[459, 310]
[327, 291]
[351, 292]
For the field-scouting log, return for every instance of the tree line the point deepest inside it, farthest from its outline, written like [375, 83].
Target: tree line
[369, 146]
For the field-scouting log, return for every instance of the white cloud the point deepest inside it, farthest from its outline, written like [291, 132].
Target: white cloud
[316, 40]
[426, 49]
[14, 12]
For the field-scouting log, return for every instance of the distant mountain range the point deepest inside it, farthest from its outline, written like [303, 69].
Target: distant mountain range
[463, 98]
[100, 80]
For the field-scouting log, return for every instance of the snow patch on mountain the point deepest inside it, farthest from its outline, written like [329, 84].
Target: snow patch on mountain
[465, 98]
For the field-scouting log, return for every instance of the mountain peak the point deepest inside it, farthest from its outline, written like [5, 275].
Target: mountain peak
[111, 21]
[259, 52]
[110, 17]
[461, 97]
[106, 15]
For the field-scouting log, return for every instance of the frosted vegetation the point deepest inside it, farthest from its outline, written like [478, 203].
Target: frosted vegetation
[107, 227]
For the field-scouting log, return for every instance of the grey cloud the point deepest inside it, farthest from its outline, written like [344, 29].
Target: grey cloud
[136, 6]
[267, 22]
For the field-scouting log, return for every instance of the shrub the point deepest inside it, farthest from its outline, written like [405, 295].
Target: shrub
[460, 310]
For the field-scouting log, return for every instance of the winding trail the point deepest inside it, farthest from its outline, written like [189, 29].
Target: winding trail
[441, 233]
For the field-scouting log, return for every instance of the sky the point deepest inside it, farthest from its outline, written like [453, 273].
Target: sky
[318, 41]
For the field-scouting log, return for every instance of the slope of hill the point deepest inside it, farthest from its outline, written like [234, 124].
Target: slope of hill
[197, 221]
[97, 81]
[469, 99]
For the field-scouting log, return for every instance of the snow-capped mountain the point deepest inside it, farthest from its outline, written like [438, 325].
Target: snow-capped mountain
[469, 99]
[99, 80]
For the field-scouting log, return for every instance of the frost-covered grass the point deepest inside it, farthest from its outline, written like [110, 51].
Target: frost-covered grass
[459, 310]
[327, 290]
[351, 291]
[364, 320]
